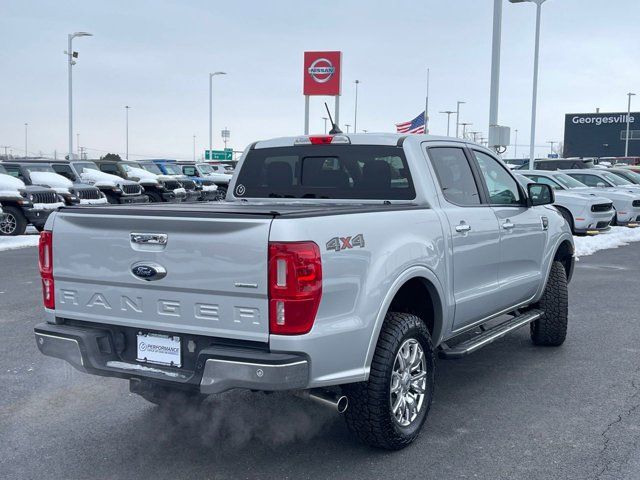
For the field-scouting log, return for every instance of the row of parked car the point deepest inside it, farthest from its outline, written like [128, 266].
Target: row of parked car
[591, 199]
[30, 189]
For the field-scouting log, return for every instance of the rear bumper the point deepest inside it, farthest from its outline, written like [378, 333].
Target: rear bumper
[217, 369]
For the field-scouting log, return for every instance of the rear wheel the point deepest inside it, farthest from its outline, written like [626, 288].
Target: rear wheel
[551, 328]
[154, 196]
[13, 222]
[389, 410]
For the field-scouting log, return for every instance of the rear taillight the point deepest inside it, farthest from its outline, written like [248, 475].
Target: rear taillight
[45, 262]
[295, 286]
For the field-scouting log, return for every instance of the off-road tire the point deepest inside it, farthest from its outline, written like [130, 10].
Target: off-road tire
[166, 397]
[111, 198]
[154, 197]
[18, 221]
[551, 328]
[369, 415]
[221, 193]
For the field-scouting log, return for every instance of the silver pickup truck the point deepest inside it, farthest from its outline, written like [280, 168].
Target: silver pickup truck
[337, 268]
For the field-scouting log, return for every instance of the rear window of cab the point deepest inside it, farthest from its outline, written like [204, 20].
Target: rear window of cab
[365, 172]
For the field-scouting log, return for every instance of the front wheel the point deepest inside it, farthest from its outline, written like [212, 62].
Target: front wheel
[221, 193]
[12, 222]
[551, 328]
[389, 410]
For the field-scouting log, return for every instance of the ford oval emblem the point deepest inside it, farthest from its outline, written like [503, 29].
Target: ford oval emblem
[148, 271]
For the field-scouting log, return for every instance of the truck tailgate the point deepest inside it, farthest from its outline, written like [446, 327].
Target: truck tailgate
[216, 271]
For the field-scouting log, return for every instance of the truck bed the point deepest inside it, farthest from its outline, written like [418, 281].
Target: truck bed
[239, 209]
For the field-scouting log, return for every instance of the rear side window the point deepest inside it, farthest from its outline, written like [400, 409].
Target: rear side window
[455, 176]
[189, 171]
[64, 170]
[109, 168]
[367, 172]
[589, 180]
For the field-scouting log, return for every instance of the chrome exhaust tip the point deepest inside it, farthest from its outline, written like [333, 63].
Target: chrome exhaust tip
[337, 402]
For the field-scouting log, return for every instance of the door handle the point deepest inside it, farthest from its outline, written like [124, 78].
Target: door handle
[508, 225]
[463, 227]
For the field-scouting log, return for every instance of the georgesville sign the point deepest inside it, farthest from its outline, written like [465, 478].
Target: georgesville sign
[600, 134]
[322, 73]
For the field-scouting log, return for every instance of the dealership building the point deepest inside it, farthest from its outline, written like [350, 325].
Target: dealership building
[601, 134]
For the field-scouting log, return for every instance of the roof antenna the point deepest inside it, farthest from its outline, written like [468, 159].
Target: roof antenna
[334, 128]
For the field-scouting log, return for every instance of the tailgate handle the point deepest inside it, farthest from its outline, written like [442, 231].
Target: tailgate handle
[149, 238]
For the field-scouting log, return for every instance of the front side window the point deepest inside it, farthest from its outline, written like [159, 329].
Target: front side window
[590, 180]
[14, 171]
[503, 188]
[455, 176]
[545, 180]
[367, 172]
[190, 171]
[151, 167]
[616, 180]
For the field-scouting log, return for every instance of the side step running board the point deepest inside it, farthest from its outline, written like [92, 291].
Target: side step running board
[488, 336]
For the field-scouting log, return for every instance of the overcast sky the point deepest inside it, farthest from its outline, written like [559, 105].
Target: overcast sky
[156, 55]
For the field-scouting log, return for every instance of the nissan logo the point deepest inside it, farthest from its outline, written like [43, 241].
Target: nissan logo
[321, 70]
[148, 271]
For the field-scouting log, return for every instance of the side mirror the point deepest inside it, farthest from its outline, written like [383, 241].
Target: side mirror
[540, 194]
[601, 185]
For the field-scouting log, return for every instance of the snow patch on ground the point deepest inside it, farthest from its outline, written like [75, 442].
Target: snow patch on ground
[616, 237]
[20, 241]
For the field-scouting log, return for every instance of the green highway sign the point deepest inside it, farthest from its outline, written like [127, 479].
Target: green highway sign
[226, 154]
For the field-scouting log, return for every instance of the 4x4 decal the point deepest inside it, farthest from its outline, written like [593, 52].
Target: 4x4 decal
[343, 243]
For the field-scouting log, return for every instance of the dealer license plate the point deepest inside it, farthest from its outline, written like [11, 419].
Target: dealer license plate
[159, 349]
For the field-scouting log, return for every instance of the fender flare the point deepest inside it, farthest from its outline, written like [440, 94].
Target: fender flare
[564, 237]
[416, 271]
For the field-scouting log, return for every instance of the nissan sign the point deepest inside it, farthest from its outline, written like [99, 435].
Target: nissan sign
[322, 73]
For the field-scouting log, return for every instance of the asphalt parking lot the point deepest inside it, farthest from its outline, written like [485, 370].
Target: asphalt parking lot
[510, 411]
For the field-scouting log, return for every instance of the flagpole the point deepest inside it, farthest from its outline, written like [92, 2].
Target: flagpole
[426, 108]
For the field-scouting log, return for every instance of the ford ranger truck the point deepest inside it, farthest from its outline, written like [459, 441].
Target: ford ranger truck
[337, 269]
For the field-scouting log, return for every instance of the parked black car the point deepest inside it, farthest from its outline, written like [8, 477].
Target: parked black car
[156, 190]
[39, 172]
[23, 204]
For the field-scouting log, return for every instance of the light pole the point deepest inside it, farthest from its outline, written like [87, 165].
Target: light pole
[126, 110]
[347, 125]
[325, 124]
[495, 69]
[448, 112]
[194, 148]
[515, 153]
[464, 129]
[551, 142]
[355, 113]
[534, 98]
[458, 116]
[211, 75]
[626, 141]
[71, 62]
[26, 134]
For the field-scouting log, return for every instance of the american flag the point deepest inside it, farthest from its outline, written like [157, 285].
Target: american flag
[414, 126]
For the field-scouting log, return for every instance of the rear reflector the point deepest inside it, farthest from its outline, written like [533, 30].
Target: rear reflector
[45, 263]
[295, 286]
